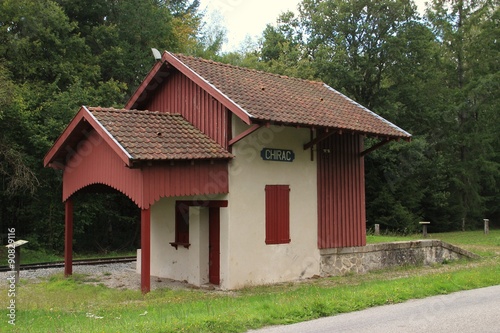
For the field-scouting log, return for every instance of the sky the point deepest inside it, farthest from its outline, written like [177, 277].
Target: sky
[249, 17]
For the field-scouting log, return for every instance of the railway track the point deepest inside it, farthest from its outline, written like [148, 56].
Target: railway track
[97, 261]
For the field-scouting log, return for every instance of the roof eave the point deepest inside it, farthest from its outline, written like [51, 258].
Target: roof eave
[403, 136]
[138, 161]
[61, 140]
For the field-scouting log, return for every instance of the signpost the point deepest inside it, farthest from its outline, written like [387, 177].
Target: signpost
[17, 256]
[278, 155]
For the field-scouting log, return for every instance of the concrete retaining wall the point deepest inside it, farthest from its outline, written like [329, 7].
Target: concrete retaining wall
[340, 261]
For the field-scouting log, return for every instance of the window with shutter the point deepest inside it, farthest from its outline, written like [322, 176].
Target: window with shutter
[277, 214]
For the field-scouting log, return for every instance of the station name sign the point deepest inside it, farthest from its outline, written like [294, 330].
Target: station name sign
[280, 155]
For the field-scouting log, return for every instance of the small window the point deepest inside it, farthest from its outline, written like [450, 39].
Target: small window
[277, 214]
[181, 225]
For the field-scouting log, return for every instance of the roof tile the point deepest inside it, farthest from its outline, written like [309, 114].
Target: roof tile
[149, 135]
[272, 97]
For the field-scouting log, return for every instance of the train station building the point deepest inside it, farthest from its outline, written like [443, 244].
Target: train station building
[243, 177]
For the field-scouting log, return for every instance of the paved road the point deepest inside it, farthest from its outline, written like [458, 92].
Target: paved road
[467, 311]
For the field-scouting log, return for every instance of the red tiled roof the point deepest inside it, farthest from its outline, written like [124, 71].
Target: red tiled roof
[148, 135]
[270, 97]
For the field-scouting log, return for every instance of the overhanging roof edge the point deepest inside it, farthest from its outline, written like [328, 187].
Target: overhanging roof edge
[84, 115]
[63, 137]
[406, 134]
[144, 84]
[193, 75]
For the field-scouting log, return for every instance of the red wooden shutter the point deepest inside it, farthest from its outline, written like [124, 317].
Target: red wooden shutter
[181, 223]
[277, 214]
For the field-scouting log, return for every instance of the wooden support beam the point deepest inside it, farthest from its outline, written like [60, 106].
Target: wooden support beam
[318, 139]
[374, 147]
[68, 237]
[146, 250]
[243, 134]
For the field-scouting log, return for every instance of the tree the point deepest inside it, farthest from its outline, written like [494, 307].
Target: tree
[211, 36]
[180, 8]
[58, 55]
[119, 36]
[436, 78]
[283, 49]
[38, 43]
[468, 41]
[350, 42]
[16, 175]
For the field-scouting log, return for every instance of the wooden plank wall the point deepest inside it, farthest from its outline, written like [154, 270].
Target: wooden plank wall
[96, 163]
[178, 94]
[341, 192]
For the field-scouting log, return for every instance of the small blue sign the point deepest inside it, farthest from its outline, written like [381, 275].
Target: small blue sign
[280, 155]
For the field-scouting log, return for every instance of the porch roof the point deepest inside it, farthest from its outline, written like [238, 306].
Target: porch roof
[136, 136]
[151, 135]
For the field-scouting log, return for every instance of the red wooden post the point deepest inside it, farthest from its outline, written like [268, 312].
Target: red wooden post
[68, 237]
[145, 250]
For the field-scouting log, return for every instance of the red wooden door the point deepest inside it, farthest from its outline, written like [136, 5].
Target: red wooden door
[214, 245]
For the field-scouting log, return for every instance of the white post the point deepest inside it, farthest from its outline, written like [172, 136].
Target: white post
[424, 227]
[486, 226]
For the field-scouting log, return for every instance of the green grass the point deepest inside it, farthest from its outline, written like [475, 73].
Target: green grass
[71, 305]
[475, 241]
[456, 238]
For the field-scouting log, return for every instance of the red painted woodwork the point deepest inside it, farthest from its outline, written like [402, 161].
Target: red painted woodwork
[375, 147]
[96, 163]
[214, 245]
[319, 138]
[68, 237]
[277, 214]
[184, 179]
[178, 94]
[341, 192]
[172, 61]
[244, 134]
[182, 218]
[155, 76]
[181, 224]
[145, 250]
[79, 134]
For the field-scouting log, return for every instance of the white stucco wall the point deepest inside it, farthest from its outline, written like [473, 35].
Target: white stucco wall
[245, 258]
[180, 264]
[250, 261]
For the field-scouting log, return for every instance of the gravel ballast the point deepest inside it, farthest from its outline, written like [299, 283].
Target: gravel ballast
[118, 275]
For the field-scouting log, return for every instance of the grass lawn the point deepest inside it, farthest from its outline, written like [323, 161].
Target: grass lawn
[70, 305]
[474, 241]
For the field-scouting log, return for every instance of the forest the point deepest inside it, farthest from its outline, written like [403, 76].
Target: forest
[436, 75]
